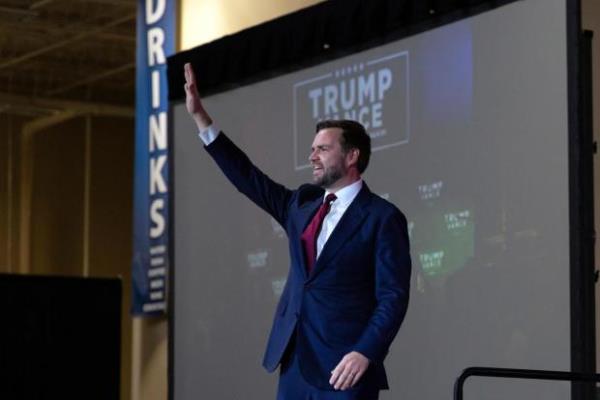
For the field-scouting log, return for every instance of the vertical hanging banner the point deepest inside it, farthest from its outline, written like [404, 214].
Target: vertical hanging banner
[155, 42]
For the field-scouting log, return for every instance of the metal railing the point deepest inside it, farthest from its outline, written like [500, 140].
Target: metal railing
[520, 374]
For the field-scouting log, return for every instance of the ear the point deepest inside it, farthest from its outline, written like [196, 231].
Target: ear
[352, 157]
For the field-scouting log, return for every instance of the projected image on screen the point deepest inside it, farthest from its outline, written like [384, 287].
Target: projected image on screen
[469, 133]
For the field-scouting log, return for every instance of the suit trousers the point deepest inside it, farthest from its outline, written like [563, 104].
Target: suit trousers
[293, 386]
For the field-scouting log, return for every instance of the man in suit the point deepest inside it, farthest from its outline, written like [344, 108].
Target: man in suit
[348, 285]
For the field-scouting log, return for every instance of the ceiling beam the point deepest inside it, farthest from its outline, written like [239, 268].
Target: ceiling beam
[39, 4]
[24, 110]
[90, 79]
[62, 43]
[56, 105]
[25, 12]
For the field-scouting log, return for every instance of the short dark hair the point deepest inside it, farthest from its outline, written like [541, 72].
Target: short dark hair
[354, 136]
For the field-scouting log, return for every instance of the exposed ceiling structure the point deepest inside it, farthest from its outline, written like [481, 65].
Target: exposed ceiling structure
[58, 55]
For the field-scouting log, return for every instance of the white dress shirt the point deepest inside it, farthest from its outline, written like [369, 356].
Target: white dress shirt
[345, 195]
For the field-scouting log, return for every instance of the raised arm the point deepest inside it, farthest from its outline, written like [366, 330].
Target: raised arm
[271, 196]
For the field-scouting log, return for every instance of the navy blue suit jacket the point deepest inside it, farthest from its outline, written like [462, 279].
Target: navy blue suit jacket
[357, 294]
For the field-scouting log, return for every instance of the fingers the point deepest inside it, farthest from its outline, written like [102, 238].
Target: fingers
[186, 72]
[357, 376]
[343, 377]
[347, 373]
[190, 77]
[336, 375]
[193, 102]
[190, 80]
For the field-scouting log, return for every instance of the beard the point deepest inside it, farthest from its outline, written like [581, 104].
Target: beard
[330, 176]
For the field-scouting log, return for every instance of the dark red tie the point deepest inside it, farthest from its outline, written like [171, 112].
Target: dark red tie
[311, 233]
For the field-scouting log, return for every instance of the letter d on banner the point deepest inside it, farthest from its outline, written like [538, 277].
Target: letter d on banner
[151, 219]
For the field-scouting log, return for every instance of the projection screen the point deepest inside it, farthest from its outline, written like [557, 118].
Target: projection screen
[469, 131]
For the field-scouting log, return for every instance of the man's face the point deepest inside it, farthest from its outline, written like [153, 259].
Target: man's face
[327, 157]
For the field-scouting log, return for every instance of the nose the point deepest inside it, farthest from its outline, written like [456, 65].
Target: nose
[313, 156]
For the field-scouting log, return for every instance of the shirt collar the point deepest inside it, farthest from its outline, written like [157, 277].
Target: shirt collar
[346, 194]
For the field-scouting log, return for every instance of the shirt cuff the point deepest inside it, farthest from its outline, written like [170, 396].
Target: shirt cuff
[209, 134]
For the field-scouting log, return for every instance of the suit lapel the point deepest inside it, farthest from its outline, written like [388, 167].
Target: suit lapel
[345, 229]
